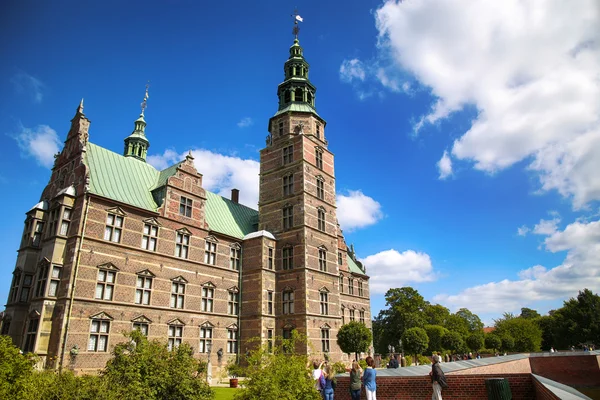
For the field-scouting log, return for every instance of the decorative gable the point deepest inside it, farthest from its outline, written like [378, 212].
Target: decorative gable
[152, 221]
[211, 238]
[184, 231]
[175, 321]
[325, 326]
[209, 284]
[141, 319]
[324, 289]
[116, 210]
[233, 289]
[180, 279]
[102, 315]
[232, 327]
[206, 324]
[146, 273]
[108, 266]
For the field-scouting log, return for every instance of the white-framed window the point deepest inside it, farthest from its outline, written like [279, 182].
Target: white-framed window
[233, 303]
[320, 189]
[288, 151]
[177, 294]
[287, 258]
[287, 300]
[175, 336]
[322, 260]
[55, 280]
[360, 289]
[319, 158]
[324, 302]
[350, 285]
[361, 316]
[208, 298]
[325, 340]
[232, 340]
[113, 228]
[288, 185]
[206, 335]
[210, 252]
[142, 327]
[341, 283]
[270, 340]
[66, 222]
[185, 207]
[37, 234]
[270, 258]
[42, 279]
[288, 217]
[31, 335]
[351, 314]
[234, 258]
[143, 289]
[321, 219]
[340, 259]
[270, 295]
[105, 284]
[182, 244]
[150, 237]
[99, 331]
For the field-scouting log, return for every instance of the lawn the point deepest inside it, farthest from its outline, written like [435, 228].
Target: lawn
[222, 393]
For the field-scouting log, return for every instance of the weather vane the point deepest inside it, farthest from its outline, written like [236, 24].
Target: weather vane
[297, 18]
[146, 96]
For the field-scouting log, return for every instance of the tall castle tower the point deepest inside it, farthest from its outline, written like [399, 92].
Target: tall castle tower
[307, 262]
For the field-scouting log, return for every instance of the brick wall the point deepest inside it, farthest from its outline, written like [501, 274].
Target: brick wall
[576, 370]
[541, 391]
[463, 387]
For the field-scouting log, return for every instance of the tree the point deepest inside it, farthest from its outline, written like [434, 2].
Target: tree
[474, 341]
[278, 374]
[493, 342]
[526, 333]
[507, 343]
[435, 333]
[147, 369]
[578, 321]
[354, 337]
[453, 341]
[528, 313]
[415, 341]
[458, 325]
[436, 314]
[14, 367]
[473, 322]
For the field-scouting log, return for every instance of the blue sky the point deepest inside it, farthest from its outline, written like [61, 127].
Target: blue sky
[466, 136]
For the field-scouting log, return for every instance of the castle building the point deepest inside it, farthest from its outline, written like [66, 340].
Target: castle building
[115, 244]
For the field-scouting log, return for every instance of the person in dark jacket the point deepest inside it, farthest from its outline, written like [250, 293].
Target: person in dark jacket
[438, 379]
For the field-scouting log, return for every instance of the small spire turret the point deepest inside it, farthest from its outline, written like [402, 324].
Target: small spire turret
[136, 144]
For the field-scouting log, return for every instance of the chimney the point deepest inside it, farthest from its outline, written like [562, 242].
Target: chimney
[235, 195]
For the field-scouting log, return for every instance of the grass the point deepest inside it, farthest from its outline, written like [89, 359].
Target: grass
[222, 393]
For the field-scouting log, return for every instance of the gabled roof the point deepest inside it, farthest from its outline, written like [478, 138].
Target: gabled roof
[131, 181]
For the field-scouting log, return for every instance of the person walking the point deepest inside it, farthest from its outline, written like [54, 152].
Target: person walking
[438, 379]
[329, 383]
[369, 379]
[355, 383]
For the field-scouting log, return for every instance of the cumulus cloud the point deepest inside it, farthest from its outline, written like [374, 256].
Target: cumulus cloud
[245, 122]
[531, 74]
[41, 143]
[580, 269]
[352, 70]
[445, 166]
[357, 210]
[221, 173]
[546, 226]
[523, 230]
[28, 85]
[390, 269]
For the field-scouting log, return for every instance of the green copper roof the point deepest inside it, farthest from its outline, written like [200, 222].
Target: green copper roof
[353, 266]
[229, 218]
[131, 181]
[297, 107]
[124, 179]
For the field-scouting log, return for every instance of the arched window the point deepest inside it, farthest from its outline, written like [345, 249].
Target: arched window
[299, 95]
[287, 97]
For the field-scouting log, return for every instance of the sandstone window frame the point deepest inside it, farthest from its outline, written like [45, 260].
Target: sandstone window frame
[287, 301]
[26, 288]
[323, 259]
[361, 316]
[270, 340]
[233, 301]
[186, 206]
[206, 337]
[235, 256]
[341, 283]
[210, 250]
[270, 298]
[352, 314]
[321, 219]
[287, 257]
[143, 287]
[106, 281]
[183, 238]
[287, 153]
[208, 297]
[16, 284]
[114, 225]
[175, 332]
[150, 233]
[350, 286]
[288, 184]
[288, 217]
[320, 182]
[99, 337]
[65, 222]
[33, 324]
[319, 157]
[43, 270]
[325, 345]
[361, 290]
[55, 276]
[141, 323]
[178, 289]
[270, 258]
[324, 301]
[232, 339]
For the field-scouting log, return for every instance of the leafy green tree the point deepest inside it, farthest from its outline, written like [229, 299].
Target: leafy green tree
[415, 341]
[435, 333]
[528, 313]
[526, 333]
[147, 369]
[453, 341]
[354, 337]
[458, 325]
[278, 374]
[474, 341]
[436, 314]
[493, 342]
[508, 343]
[578, 321]
[14, 367]
[472, 321]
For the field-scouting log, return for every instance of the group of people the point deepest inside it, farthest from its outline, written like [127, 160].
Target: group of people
[323, 376]
[325, 380]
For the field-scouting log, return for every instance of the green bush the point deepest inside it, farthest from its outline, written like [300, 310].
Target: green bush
[338, 367]
[362, 363]
[423, 360]
[409, 360]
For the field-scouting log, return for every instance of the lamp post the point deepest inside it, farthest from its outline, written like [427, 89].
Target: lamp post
[209, 364]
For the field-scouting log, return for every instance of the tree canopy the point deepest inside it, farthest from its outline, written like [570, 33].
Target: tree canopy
[354, 337]
[415, 341]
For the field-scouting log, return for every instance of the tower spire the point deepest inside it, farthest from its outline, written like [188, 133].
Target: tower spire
[297, 18]
[136, 144]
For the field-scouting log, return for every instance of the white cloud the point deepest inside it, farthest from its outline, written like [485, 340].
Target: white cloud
[29, 85]
[523, 230]
[41, 143]
[546, 226]
[445, 166]
[390, 269]
[580, 269]
[245, 122]
[352, 70]
[529, 71]
[356, 210]
[221, 173]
